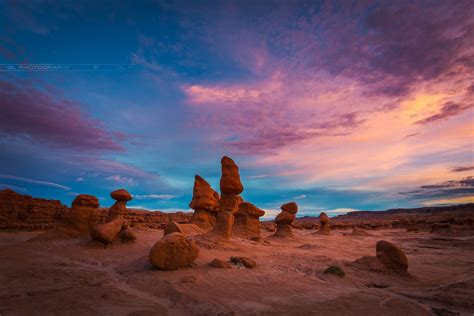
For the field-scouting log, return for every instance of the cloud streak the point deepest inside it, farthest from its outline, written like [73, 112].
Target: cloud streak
[32, 181]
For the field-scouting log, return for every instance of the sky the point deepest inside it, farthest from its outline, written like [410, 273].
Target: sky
[335, 105]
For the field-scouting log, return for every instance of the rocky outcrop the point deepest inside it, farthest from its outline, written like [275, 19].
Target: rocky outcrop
[185, 229]
[83, 215]
[285, 219]
[155, 219]
[205, 204]
[106, 233]
[173, 251]
[18, 211]
[231, 187]
[323, 224]
[247, 223]
[391, 256]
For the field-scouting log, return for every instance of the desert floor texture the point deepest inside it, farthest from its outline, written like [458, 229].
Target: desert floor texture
[79, 277]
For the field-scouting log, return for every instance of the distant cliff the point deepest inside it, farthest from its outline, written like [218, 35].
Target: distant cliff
[18, 211]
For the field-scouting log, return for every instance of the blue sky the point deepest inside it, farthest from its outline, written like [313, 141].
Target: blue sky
[331, 104]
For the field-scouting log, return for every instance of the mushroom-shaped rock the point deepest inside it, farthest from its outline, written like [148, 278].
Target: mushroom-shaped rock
[106, 233]
[290, 207]
[323, 224]
[284, 220]
[204, 197]
[247, 224]
[173, 251]
[86, 200]
[121, 195]
[230, 180]
[391, 256]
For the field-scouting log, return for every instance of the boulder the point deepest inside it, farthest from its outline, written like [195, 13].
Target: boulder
[127, 235]
[204, 197]
[290, 207]
[173, 251]
[106, 233]
[81, 218]
[86, 200]
[391, 256]
[121, 195]
[243, 262]
[185, 229]
[230, 180]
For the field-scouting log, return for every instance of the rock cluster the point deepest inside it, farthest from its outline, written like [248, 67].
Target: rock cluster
[205, 204]
[247, 223]
[174, 251]
[284, 220]
[23, 211]
[324, 224]
[116, 226]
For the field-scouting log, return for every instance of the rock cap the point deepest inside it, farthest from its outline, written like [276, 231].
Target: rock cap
[290, 207]
[121, 195]
[86, 200]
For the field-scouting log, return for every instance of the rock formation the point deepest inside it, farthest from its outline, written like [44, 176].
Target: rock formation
[284, 220]
[391, 256]
[115, 223]
[173, 251]
[323, 224]
[83, 214]
[220, 264]
[106, 233]
[205, 204]
[23, 211]
[121, 196]
[247, 223]
[185, 229]
[243, 262]
[231, 187]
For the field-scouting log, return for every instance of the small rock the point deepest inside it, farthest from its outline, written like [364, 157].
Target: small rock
[173, 251]
[220, 264]
[127, 235]
[391, 256]
[243, 262]
[335, 270]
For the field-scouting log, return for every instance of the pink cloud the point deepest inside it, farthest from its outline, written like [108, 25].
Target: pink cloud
[38, 115]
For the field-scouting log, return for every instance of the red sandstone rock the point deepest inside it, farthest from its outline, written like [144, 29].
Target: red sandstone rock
[173, 252]
[229, 203]
[185, 229]
[323, 224]
[290, 207]
[121, 195]
[204, 197]
[86, 200]
[247, 224]
[230, 180]
[127, 235]
[24, 211]
[106, 233]
[391, 256]
[118, 209]
[243, 262]
[220, 264]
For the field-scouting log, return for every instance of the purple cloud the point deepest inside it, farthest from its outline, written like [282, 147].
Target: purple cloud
[447, 110]
[40, 116]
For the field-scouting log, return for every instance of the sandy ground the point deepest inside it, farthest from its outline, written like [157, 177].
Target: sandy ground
[78, 277]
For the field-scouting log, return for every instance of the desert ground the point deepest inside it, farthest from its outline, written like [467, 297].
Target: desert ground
[80, 277]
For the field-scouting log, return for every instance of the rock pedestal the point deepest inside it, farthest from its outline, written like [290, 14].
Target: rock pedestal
[231, 187]
[205, 204]
[120, 207]
[247, 223]
[284, 220]
[323, 224]
[83, 214]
